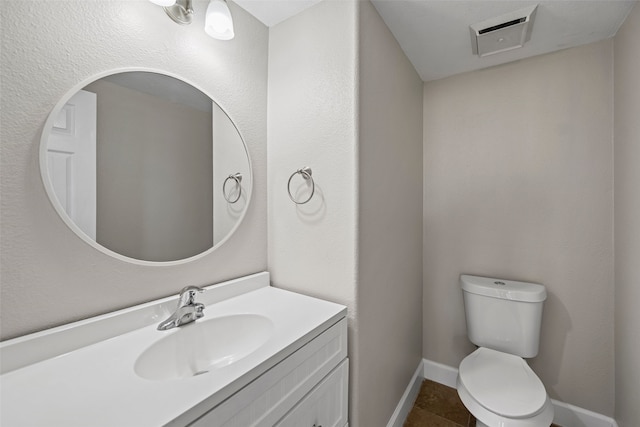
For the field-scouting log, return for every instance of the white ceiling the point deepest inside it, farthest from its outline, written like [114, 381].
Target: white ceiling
[434, 34]
[272, 12]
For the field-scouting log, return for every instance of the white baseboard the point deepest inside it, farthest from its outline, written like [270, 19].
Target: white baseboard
[569, 415]
[408, 398]
[565, 415]
[440, 373]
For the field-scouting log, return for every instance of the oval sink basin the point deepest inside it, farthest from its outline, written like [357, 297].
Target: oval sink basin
[203, 346]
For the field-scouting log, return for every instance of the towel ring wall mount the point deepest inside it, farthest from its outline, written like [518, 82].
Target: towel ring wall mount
[306, 174]
[237, 178]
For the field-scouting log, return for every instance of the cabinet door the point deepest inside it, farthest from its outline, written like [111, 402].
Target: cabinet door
[325, 405]
[272, 395]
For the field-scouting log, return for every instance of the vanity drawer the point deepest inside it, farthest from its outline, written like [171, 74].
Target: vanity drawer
[326, 405]
[270, 396]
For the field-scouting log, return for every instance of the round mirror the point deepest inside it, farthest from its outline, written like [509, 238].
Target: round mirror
[145, 167]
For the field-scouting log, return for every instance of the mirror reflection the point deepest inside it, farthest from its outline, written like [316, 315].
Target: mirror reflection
[137, 163]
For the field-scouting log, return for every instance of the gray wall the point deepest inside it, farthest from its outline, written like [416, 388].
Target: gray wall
[312, 110]
[389, 220]
[312, 122]
[43, 263]
[350, 108]
[627, 219]
[154, 175]
[518, 176]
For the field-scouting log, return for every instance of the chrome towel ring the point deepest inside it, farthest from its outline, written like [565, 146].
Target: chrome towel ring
[237, 178]
[306, 174]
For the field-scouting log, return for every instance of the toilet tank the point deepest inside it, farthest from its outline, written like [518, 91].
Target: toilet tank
[503, 315]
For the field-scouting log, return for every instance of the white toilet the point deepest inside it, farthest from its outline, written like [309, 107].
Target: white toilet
[495, 383]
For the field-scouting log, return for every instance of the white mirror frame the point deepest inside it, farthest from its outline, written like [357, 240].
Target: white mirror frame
[44, 174]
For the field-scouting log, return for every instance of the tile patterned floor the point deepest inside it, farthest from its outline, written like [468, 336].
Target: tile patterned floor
[439, 406]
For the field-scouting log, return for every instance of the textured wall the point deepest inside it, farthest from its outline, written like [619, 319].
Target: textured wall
[627, 218]
[389, 220]
[334, 107]
[49, 276]
[518, 185]
[312, 122]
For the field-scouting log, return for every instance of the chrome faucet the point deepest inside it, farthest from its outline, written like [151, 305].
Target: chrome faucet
[188, 309]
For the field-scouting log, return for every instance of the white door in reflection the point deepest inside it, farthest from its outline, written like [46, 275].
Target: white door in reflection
[71, 157]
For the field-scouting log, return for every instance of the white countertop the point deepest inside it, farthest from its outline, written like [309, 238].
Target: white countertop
[96, 385]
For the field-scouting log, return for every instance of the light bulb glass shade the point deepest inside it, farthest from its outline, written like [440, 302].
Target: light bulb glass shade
[164, 3]
[218, 22]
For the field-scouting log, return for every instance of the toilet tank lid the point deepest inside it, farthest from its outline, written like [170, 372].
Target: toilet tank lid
[503, 289]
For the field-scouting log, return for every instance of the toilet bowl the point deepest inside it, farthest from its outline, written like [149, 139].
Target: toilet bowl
[494, 382]
[501, 390]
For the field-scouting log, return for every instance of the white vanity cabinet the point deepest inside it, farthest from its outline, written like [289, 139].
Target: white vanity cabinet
[325, 405]
[308, 388]
[225, 370]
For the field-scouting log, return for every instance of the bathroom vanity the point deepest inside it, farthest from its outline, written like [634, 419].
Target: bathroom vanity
[260, 356]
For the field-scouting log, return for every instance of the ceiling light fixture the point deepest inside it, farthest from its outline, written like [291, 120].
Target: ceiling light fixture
[218, 22]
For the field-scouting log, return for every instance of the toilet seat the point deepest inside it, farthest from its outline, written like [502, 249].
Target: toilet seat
[502, 383]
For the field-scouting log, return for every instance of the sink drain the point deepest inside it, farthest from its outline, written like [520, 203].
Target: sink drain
[200, 373]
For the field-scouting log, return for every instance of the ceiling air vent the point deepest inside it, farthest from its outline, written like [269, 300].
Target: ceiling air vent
[505, 32]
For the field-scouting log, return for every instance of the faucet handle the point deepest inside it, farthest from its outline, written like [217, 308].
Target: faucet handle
[199, 310]
[188, 295]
